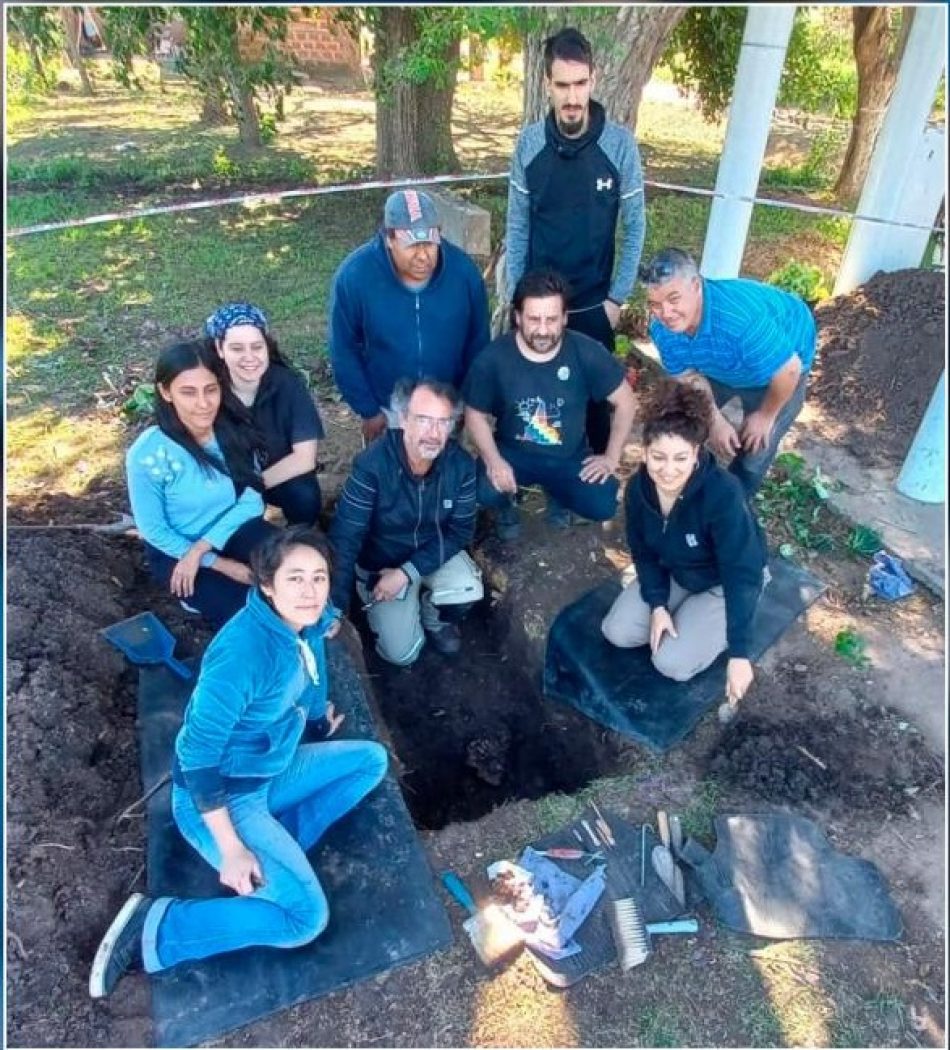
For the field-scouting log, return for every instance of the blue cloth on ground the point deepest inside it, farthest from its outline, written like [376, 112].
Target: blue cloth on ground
[888, 578]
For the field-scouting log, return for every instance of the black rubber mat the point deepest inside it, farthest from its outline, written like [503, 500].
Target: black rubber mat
[385, 909]
[622, 690]
[778, 876]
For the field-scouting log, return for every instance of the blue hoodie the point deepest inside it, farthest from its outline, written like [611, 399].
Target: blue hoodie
[381, 331]
[253, 698]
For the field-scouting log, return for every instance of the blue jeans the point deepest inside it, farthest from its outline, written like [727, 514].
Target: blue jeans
[751, 468]
[560, 479]
[299, 498]
[216, 596]
[278, 822]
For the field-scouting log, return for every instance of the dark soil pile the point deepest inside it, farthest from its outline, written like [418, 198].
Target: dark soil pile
[72, 771]
[848, 761]
[881, 351]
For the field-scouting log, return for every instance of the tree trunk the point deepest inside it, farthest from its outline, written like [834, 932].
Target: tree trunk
[70, 17]
[877, 54]
[244, 107]
[627, 42]
[214, 112]
[413, 121]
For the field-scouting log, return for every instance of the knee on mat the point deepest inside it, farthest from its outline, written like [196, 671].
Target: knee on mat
[613, 631]
[308, 916]
[673, 668]
[376, 759]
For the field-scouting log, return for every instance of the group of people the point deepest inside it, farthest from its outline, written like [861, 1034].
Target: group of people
[256, 780]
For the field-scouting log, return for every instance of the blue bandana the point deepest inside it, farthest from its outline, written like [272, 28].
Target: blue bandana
[232, 314]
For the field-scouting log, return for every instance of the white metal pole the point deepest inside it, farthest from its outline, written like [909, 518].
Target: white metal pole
[889, 185]
[764, 43]
[924, 474]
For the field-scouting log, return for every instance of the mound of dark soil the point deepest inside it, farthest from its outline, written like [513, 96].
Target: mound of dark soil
[855, 762]
[881, 351]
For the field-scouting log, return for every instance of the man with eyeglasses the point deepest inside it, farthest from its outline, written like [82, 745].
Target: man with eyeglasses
[405, 304]
[537, 382]
[405, 516]
[734, 338]
[574, 176]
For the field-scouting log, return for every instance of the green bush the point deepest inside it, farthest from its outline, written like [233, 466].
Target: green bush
[803, 279]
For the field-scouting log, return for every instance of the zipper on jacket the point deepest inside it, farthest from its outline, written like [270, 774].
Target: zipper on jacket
[419, 333]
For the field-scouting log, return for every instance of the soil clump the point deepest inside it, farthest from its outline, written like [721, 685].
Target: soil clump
[880, 354]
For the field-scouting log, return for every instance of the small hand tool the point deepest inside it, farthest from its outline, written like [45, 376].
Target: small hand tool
[568, 853]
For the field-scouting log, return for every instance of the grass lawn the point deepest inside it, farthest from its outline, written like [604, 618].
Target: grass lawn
[88, 308]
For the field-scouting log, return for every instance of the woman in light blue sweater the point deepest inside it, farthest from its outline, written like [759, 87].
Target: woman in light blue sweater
[245, 794]
[194, 485]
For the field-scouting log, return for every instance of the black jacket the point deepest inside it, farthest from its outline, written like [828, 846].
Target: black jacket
[389, 518]
[711, 538]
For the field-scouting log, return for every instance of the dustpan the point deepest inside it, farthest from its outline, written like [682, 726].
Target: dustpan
[146, 641]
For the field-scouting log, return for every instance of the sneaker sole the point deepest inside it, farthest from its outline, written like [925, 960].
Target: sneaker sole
[104, 953]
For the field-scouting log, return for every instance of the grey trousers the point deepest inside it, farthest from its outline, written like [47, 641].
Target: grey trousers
[751, 469]
[699, 619]
[399, 625]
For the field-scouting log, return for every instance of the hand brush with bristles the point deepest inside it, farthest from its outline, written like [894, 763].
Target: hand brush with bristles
[631, 938]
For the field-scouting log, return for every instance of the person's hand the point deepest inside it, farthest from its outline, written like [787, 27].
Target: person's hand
[334, 720]
[756, 430]
[723, 439]
[598, 468]
[373, 427]
[182, 583]
[738, 678]
[240, 870]
[234, 569]
[660, 623]
[502, 476]
[390, 585]
[612, 310]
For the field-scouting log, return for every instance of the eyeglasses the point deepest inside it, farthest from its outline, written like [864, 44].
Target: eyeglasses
[433, 422]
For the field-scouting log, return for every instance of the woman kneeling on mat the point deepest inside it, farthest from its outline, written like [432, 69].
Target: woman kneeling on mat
[280, 404]
[698, 550]
[244, 794]
[194, 488]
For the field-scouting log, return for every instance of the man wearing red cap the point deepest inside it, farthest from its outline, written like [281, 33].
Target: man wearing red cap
[405, 305]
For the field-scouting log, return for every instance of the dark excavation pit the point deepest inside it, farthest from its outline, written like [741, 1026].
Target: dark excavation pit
[847, 761]
[473, 731]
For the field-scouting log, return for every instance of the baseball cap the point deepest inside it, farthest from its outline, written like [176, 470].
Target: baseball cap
[412, 216]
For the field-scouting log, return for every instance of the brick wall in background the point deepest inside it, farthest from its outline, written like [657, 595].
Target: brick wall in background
[316, 40]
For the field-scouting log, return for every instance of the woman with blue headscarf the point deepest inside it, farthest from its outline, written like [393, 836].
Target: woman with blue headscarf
[282, 407]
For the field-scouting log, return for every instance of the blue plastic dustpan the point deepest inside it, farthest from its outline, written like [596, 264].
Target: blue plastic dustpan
[145, 640]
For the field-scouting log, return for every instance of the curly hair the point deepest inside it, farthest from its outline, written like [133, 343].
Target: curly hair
[676, 409]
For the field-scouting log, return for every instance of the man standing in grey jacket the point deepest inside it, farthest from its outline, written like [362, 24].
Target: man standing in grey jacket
[574, 176]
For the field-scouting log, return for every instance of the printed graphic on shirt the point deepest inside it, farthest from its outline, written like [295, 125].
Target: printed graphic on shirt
[542, 420]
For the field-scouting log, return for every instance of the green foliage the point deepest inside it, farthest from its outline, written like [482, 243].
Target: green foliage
[792, 500]
[131, 31]
[850, 646]
[864, 542]
[141, 405]
[804, 279]
[35, 39]
[817, 171]
[819, 74]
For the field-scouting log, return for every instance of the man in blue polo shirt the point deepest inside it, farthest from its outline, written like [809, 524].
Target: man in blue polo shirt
[734, 338]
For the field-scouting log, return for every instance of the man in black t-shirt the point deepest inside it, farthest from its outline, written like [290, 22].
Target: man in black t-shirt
[537, 381]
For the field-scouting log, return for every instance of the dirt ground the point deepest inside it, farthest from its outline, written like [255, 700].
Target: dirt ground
[487, 765]
[880, 356]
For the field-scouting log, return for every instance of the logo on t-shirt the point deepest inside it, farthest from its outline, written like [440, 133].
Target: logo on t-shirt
[564, 373]
[604, 184]
[691, 540]
[542, 422]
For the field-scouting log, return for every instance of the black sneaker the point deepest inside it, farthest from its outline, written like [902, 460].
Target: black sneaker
[508, 523]
[446, 638]
[120, 951]
[556, 515]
